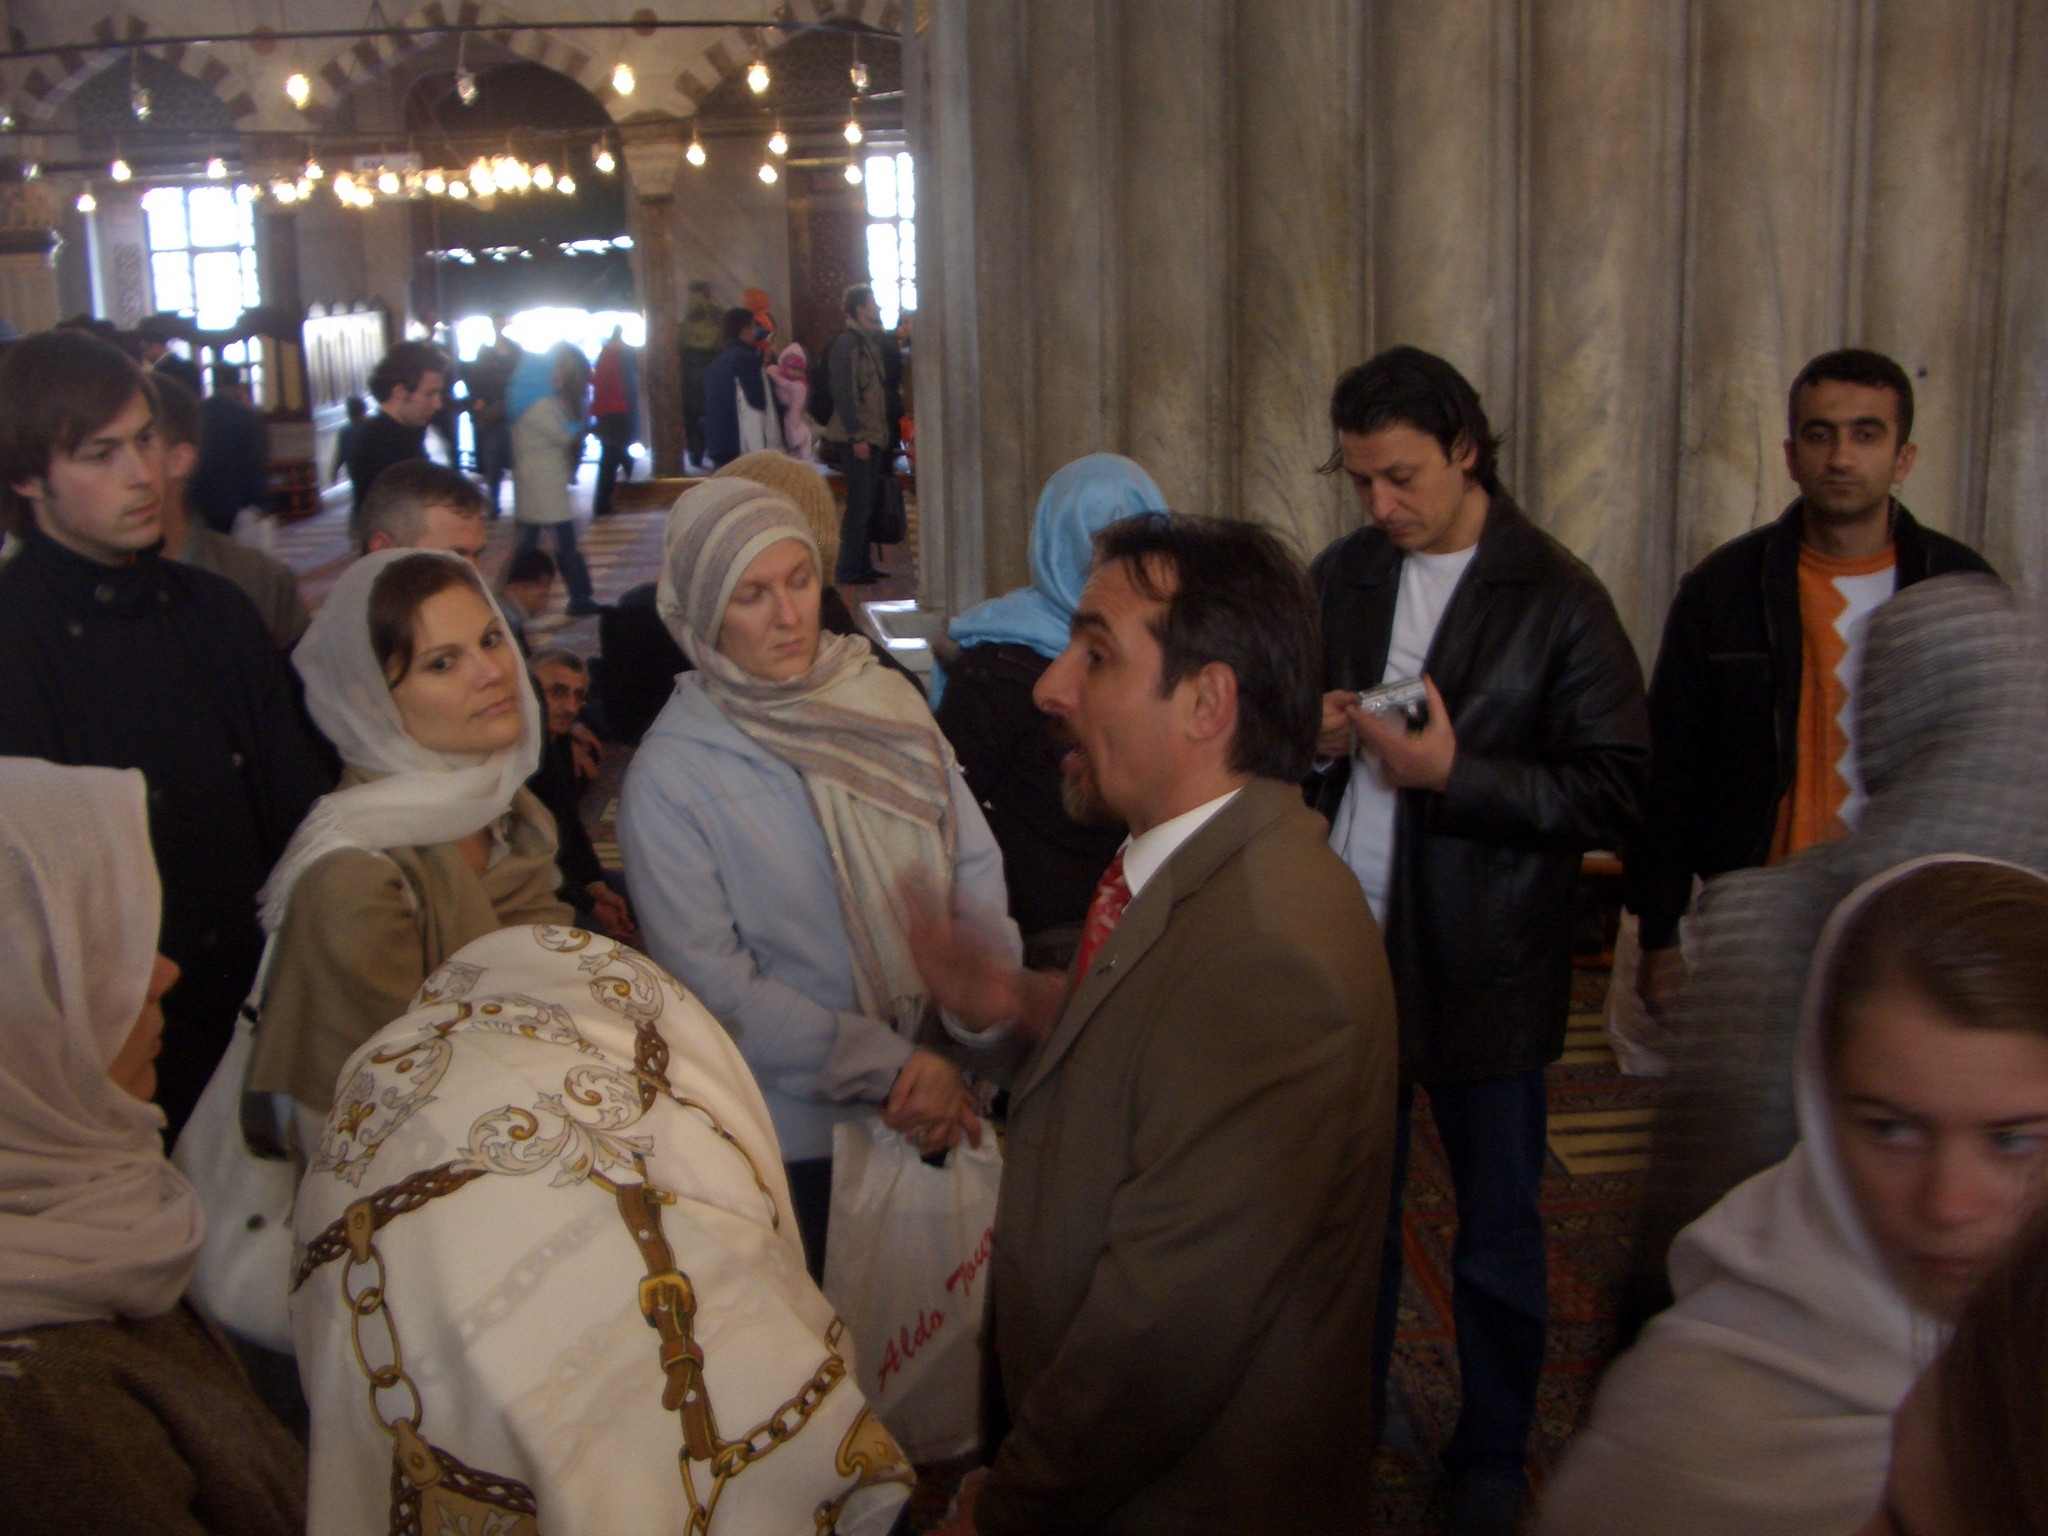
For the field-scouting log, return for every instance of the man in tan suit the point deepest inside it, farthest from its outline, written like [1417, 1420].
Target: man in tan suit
[1201, 1136]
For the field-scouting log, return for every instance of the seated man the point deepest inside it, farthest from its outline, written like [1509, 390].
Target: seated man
[418, 504]
[566, 769]
[524, 593]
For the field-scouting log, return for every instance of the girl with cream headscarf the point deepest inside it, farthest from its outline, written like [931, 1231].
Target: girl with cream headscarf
[120, 1410]
[787, 790]
[432, 839]
[1811, 1296]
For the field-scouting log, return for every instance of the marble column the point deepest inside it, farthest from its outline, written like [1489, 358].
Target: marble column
[652, 158]
[1605, 151]
[1772, 151]
[28, 257]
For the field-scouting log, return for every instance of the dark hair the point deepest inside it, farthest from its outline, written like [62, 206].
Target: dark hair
[353, 405]
[1991, 1405]
[396, 597]
[856, 296]
[1855, 365]
[398, 499]
[405, 365]
[226, 376]
[1406, 386]
[735, 322]
[56, 390]
[530, 564]
[1966, 937]
[177, 411]
[1234, 594]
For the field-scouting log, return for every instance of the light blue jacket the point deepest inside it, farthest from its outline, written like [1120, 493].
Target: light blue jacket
[733, 887]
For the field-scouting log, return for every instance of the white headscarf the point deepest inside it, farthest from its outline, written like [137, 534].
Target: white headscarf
[555, 1067]
[1762, 1400]
[420, 797]
[94, 1222]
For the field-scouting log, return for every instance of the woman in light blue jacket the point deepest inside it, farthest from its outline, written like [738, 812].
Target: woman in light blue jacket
[769, 820]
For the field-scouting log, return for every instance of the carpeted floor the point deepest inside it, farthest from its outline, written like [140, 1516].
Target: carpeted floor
[1599, 1120]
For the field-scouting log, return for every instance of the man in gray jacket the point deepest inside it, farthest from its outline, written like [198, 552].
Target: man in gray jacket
[1200, 1146]
[859, 429]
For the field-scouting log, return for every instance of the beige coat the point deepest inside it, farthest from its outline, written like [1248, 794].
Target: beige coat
[1199, 1158]
[363, 930]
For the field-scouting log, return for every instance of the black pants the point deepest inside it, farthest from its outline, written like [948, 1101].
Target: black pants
[863, 485]
[615, 440]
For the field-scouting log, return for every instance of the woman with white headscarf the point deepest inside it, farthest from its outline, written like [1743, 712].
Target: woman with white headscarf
[432, 838]
[560, 1179]
[120, 1410]
[1811, 1296]
[788, 789]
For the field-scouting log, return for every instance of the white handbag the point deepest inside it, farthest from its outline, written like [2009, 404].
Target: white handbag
[243, 1278]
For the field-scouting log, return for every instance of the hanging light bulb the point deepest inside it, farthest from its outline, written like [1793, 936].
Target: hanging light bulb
[284, 191]
[622, 78]
[138, 102]
[31, 171]
[859, 74]
[853, 174]
[544, 176]
[458, 189]
[566, 184]
[216, 169]
[87, 202]
[778, 141]
[119, 169]
[603, 160]
[695, 153]
[465, 87]
[345, 187]
[435, 183]
[304, 187]
[757, 77]
[6, 120]
[298, 88]
[768, 173]
[853, 132]
[387, 183]
[313, 171]
[480, 179]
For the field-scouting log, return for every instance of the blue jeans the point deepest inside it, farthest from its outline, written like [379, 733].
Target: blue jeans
[575, 574]
[1493, 1133]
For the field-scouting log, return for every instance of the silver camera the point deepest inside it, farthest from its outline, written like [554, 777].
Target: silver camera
[1406, 700]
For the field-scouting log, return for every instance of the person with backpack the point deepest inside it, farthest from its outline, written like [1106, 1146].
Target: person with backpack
[856, 428]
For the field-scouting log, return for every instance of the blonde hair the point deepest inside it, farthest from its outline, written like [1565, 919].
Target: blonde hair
[804, 486]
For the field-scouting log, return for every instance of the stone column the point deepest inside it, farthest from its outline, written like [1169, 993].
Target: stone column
[28, 257]
[1941, 99]
[652, 157]
[1772, 153]
[1605, 154]
[1443, 118]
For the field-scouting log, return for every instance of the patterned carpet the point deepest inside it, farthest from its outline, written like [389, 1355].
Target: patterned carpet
[1599, 1120]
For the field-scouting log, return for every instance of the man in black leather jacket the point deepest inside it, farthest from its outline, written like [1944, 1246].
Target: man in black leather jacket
[1467, 836]
[1733, 672]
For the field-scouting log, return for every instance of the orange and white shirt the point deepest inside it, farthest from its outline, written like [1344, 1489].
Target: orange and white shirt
[1836, 599]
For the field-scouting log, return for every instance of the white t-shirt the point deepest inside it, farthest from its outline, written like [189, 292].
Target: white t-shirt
[1363, 833]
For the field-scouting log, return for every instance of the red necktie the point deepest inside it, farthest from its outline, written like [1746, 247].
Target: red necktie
[1111, 897]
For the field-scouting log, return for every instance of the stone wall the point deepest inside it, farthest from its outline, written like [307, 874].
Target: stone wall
[1163, 227]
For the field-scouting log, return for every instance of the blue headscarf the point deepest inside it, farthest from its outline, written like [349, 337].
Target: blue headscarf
[1076, 504]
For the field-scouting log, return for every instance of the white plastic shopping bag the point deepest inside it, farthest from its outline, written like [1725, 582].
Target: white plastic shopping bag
[906, 1265]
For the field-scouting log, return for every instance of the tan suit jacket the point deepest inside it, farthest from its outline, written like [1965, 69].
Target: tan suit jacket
[1198, 1163]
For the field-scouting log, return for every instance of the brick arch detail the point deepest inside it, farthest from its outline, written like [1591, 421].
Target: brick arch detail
[50, 82]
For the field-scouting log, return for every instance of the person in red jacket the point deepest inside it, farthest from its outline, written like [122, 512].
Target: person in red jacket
[615, 404]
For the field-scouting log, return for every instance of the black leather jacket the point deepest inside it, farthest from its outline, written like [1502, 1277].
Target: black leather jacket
[1724, 710]
[1546, 697]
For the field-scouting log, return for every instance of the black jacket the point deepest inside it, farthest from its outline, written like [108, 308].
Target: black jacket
[1724, 711]
[1546, 697]
[168, 669]
[1051, 865]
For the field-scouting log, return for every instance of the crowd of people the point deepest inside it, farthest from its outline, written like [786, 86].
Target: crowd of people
[1191, 869]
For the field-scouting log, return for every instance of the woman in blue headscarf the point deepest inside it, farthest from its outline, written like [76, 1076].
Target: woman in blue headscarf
[982, 696]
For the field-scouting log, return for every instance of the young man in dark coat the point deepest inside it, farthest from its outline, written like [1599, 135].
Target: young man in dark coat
[1466, 833]
[119, 658]
[407, 386]
[738, 367]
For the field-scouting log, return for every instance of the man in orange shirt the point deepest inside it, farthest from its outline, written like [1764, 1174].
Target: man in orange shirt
[1752, 707]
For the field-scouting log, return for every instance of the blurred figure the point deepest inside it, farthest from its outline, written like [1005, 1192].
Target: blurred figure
[735, 384]
[859, 434]
[565, 773]
[407, 386]
[791, 375]
[234, 453]
[488, 379]
[701, 335]
[545, 403]
[615, 407]
[345, 438]
[525, 591]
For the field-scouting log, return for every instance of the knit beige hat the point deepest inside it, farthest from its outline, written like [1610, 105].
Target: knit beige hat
[802, 484]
